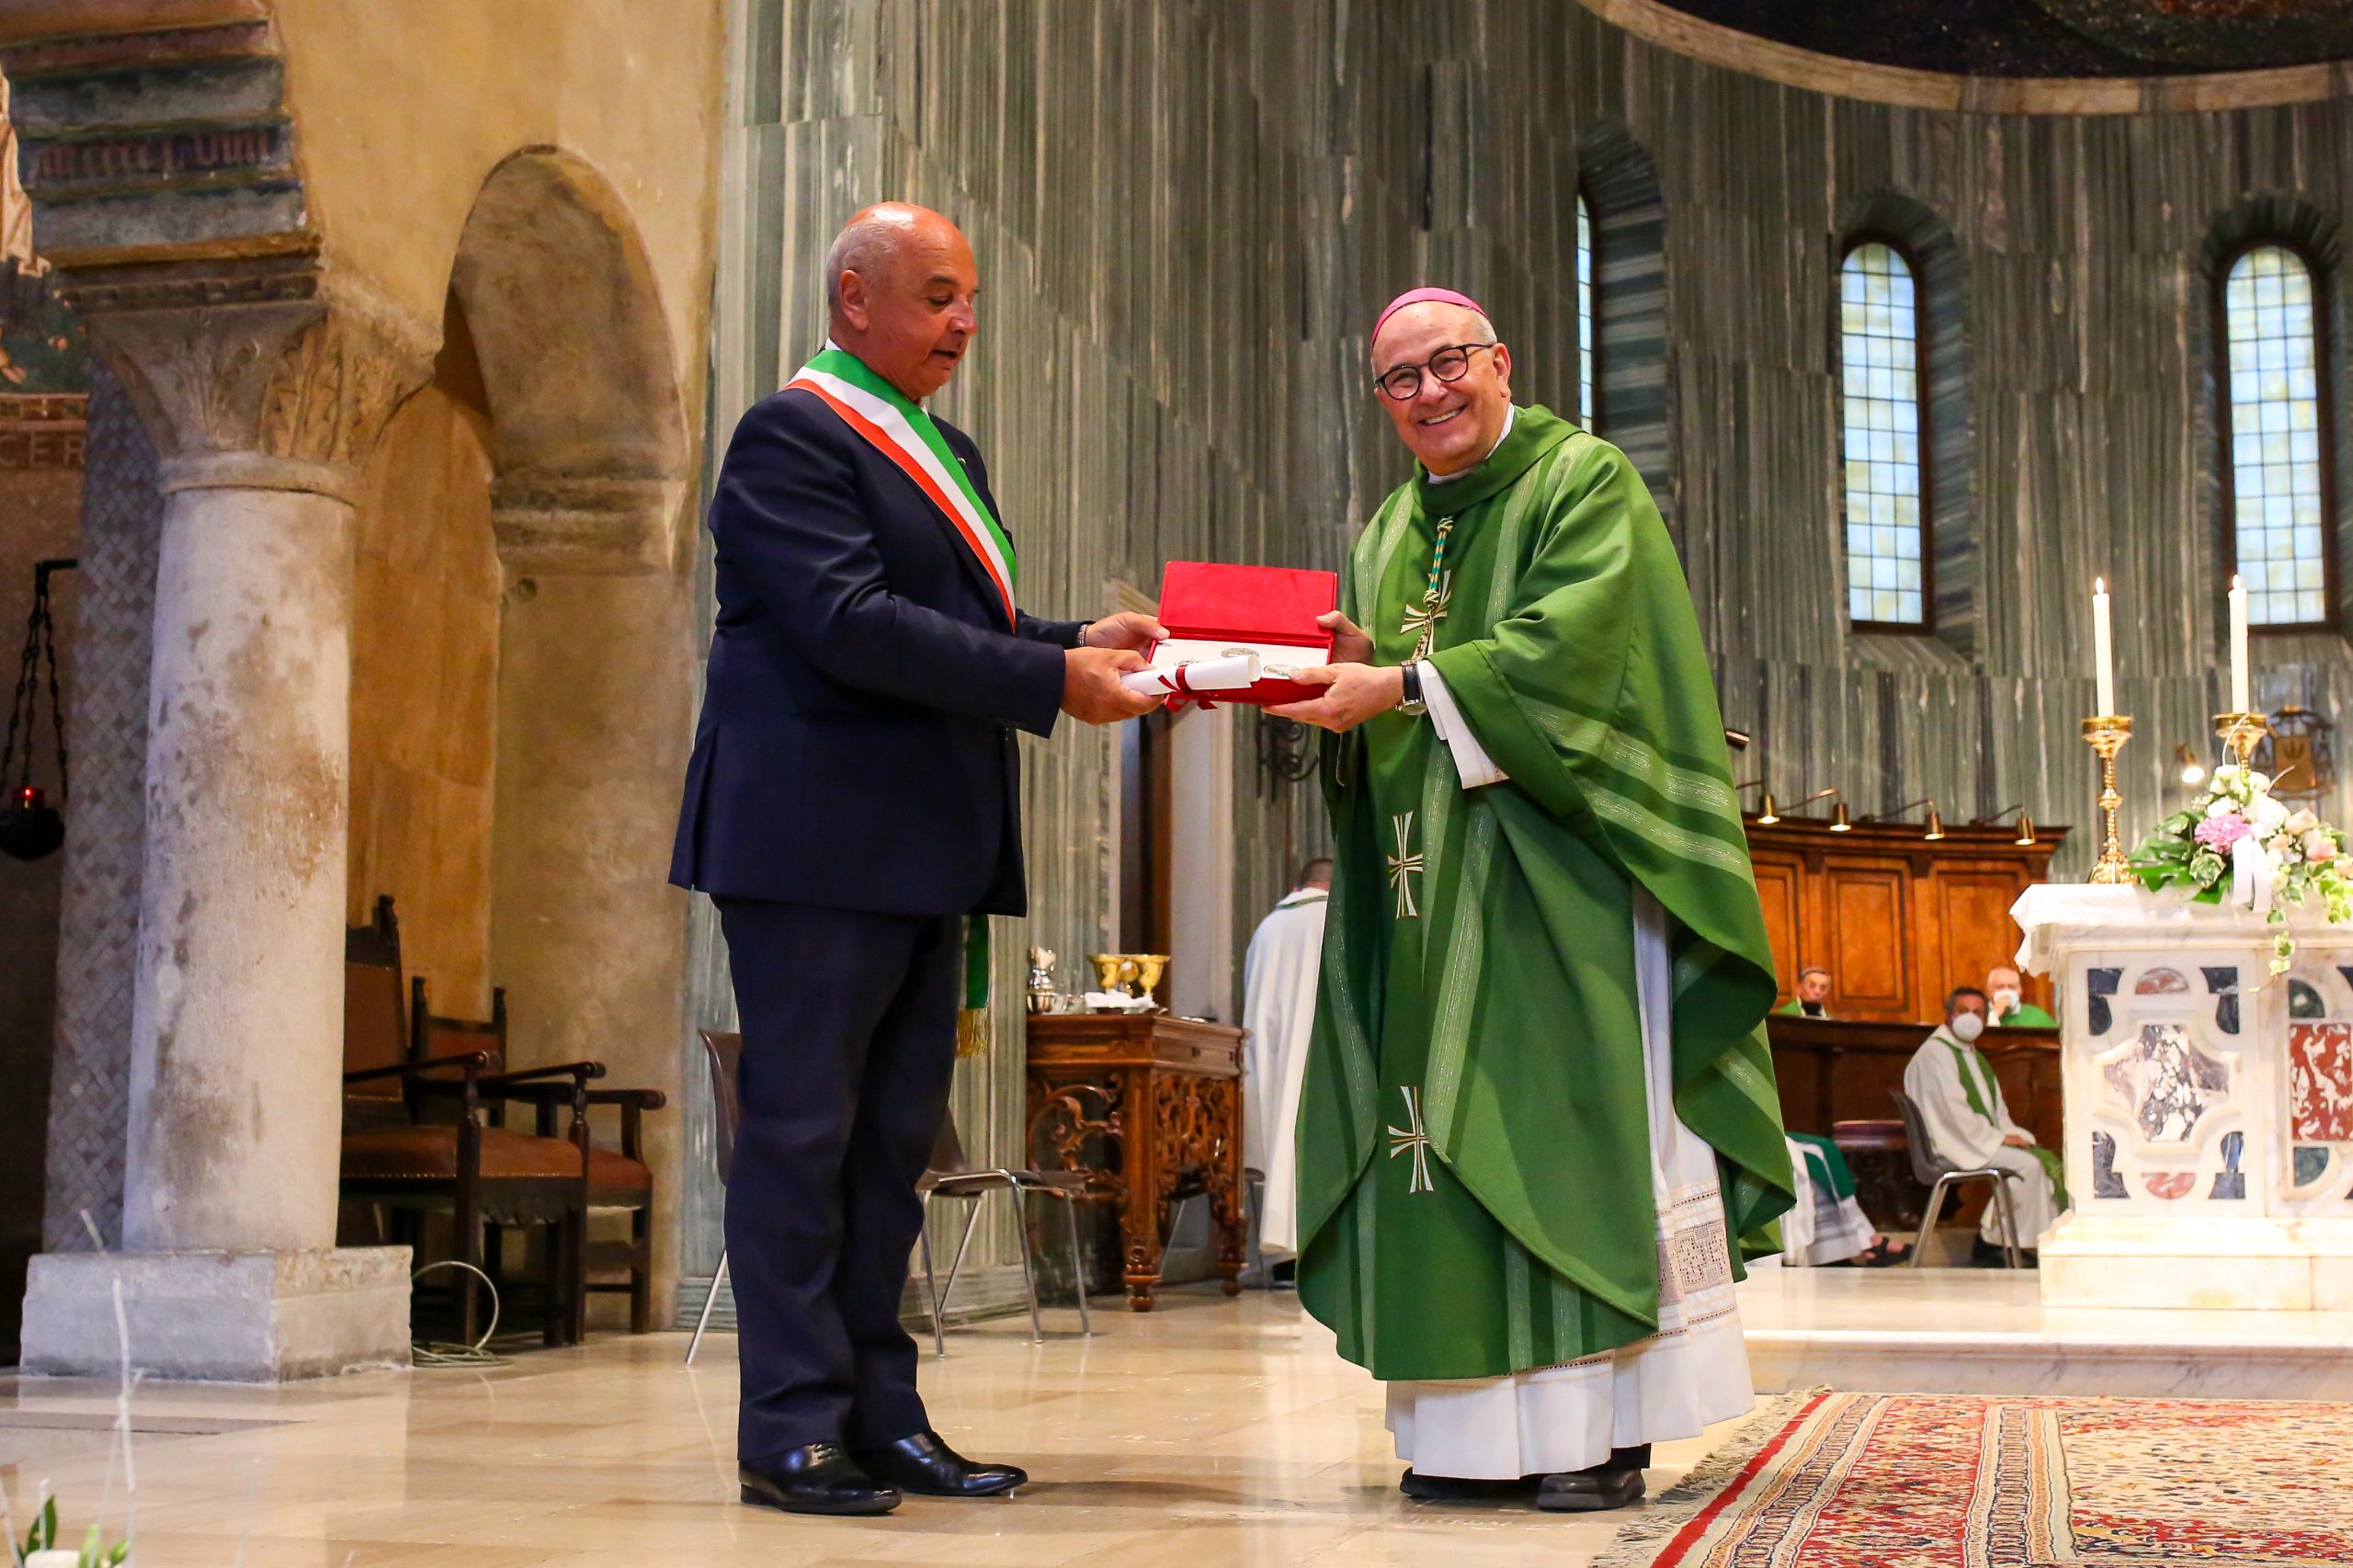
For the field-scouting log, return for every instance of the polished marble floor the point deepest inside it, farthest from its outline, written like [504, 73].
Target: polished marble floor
[1212, 1432]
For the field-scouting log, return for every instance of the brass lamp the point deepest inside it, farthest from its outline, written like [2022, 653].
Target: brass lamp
[1935, 824]
[2026, 825]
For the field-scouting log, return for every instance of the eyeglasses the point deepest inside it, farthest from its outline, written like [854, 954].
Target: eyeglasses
[1402, 384]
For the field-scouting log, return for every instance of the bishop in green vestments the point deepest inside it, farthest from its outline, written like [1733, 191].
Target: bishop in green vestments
[1538, 1130]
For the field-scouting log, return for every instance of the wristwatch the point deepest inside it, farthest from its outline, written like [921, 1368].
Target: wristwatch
[1412, 705]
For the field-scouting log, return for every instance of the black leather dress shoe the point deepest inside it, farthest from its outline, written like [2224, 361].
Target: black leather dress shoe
[926, 1466]
[820, 1478]
[1455, 1489]
[1590, 1491]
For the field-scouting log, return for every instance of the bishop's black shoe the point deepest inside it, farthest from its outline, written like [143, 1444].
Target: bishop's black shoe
[1613, 1483]
[818, 1478]
[1455, 1489]
[926, 1466]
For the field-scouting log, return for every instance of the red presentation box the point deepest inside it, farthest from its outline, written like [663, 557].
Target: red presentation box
[1213, 611]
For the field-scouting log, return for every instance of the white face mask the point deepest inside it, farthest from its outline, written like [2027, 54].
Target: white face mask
[2006, 1001]
[1967, 1027]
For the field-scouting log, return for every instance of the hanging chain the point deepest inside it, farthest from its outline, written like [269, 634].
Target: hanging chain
[24, 704]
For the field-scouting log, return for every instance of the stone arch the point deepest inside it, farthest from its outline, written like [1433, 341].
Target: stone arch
[592, 462]
[588, 431]
[1633, 387]
[1927, 241]
[2318, 237]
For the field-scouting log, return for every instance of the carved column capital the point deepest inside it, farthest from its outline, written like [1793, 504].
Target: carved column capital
[266, 372]
[560, 524]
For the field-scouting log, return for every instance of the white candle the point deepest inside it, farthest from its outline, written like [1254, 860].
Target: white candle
[2103, 648]
[2240, 701]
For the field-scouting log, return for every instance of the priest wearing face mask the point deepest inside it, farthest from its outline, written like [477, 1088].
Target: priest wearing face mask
[2010, 1007]
[1969, 1124]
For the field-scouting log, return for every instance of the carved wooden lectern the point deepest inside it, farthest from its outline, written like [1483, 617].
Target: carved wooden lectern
[1150, 1108]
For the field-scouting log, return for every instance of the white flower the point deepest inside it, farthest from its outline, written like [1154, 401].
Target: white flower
[2258, 782]
[2228, 770]
[2302, 821]
[2319, 846]
[2222, 807]
[2267, 813]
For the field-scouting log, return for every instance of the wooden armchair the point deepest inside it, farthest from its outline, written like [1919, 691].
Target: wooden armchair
[618, 1180]
[416, 1142]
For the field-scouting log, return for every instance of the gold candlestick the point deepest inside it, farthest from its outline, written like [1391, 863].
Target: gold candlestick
[2241, 732]
[2106, 735]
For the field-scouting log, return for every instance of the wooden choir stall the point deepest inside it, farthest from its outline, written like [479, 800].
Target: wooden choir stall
[1899, 920]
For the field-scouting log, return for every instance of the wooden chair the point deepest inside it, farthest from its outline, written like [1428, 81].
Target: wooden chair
[414, 1140]
[617, 1179]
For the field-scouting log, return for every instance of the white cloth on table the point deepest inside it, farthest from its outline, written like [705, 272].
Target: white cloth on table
[1959, 1136]
[1691, 1373]
[1823, 1227]
[1279, 1010]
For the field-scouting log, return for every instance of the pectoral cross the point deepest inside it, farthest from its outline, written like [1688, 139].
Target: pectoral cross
[1413, 1137]
[1404, 866]
[1421, 621]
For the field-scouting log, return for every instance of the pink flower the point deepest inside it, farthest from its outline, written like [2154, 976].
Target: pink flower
[2219, 834]
[2319, 847]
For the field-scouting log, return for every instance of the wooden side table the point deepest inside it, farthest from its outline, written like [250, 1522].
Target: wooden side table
[1150, 1108]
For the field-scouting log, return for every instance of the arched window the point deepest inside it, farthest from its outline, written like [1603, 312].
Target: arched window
[2277, 468]
[1584, 312]
[1879, 351]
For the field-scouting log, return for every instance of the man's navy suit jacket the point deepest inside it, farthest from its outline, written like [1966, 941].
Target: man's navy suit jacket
[855, 748]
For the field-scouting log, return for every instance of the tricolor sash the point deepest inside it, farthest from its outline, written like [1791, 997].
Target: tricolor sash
[900, 429]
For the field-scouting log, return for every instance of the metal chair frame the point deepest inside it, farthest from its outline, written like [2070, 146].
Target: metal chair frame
[1940, 1174]
[973, 1187]
[945, 1179]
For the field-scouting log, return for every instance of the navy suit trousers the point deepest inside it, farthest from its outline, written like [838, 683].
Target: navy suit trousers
[849, 1021]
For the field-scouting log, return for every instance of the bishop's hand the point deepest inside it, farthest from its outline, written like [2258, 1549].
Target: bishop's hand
[1352, 693]
[1091, 689]
[1352, 643]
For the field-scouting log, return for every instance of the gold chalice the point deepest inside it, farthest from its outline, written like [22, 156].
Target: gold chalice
[1112, 971]
[1146, 970]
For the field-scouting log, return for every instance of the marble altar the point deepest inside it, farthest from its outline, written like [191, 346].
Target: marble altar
[2208, 1105]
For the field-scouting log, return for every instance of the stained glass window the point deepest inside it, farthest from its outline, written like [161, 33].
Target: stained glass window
[2277, 483]
[1585, 314]
[1879, 344]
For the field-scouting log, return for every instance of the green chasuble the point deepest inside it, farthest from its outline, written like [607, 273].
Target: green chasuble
[2026, 1016]
[1794, 1008]
[1474, 1191]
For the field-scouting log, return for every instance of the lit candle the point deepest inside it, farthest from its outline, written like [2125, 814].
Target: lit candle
[2103, 648]
[2240, 701]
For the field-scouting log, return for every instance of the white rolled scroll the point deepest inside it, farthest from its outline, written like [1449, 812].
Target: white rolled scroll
[1230, 674]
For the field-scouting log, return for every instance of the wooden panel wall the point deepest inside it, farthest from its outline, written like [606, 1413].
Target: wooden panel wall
[1897, 920]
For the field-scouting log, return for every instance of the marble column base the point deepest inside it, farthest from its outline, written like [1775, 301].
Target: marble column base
[246, 1317]
[2250, 1264]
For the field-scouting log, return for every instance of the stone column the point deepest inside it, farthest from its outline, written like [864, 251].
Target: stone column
[262, 385]
[596, 706]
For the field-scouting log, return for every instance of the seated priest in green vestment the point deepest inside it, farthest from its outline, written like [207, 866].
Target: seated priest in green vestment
[1969, 1125]
[1539, 1132]
[2007, 999]
[1812, 1000]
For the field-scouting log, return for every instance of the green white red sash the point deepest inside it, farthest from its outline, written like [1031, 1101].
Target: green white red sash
[900, 429]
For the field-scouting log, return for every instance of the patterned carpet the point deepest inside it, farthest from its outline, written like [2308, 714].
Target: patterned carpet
[1828, 1480]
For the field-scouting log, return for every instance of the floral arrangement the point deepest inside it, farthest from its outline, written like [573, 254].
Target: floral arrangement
[40, 1547]
[2239, 820]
